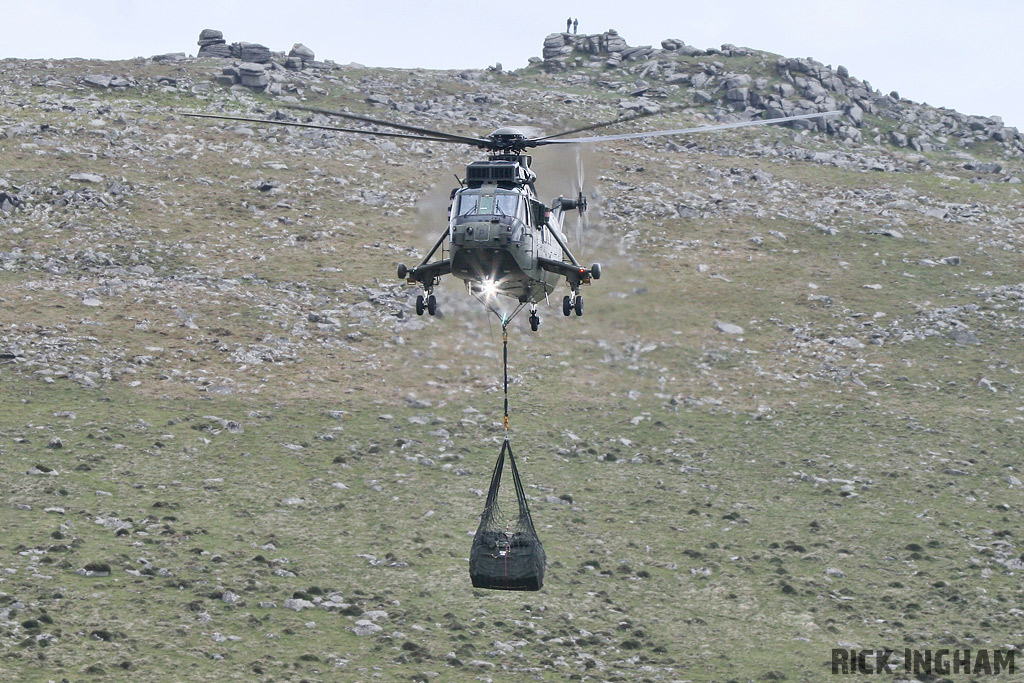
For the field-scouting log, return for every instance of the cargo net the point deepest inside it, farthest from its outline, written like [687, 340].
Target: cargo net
[507, 554]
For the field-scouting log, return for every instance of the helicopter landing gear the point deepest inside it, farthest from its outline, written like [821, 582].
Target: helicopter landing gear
[428, 304]
[572, 303]
[534, 319]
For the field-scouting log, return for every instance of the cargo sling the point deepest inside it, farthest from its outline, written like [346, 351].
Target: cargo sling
[506, 552]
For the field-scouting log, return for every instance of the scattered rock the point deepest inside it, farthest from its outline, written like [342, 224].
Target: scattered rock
[963, 336]
[86, 177]
[298, 604]
[728, 328]
[365, 627]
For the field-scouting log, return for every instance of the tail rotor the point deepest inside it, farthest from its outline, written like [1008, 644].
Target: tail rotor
[582, 220]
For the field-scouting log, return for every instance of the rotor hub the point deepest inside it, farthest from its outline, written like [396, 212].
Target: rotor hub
[508, 139]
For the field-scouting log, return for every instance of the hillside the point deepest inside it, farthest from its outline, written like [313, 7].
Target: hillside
[788, 422]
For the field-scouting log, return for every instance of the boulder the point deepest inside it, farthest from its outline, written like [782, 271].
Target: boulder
[251, 52]
[613, 42]
[555, 45]
[253, 75]
[98, 80]
[983, 167]
[737, 95]
[219, 50]
[739, 81]
[555, 40]
[637, 53]
[728, 328]
[302, 52]
[702, 97]
[786, 90]
[212, 44]
[208, 35]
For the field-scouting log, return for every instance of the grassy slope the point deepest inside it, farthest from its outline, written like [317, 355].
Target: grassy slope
[692, 549]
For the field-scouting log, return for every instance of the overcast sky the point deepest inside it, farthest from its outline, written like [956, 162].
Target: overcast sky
[944, 52]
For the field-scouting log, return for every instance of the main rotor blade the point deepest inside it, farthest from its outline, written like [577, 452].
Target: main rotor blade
[595, 126]
[298, 124]
[451, 137]
[684, 131]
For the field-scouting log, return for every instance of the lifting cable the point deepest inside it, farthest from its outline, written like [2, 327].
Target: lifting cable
[505, 319]
[504, 357]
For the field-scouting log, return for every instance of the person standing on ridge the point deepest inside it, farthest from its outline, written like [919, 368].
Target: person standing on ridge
[568, 24]
[575, 24]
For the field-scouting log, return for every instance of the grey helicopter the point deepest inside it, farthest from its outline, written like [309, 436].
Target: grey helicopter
[500, 239]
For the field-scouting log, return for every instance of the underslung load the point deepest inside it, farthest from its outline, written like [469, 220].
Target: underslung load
[507, 553]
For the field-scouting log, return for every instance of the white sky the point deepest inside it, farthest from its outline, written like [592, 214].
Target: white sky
[943, 52]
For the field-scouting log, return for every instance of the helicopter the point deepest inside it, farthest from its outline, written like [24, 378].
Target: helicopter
[501, 240]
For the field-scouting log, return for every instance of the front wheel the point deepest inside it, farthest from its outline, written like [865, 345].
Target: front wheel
[566, 305]
[579, 305]
[402, 271]
[432, 305]
[595, 271]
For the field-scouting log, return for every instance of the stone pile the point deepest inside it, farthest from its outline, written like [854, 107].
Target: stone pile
[558, 46]
[254, 61]
[212, 44]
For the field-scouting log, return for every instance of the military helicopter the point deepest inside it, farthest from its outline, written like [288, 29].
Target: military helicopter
[500, 238]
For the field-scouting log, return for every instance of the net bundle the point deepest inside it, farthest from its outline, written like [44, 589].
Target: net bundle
[506, 553]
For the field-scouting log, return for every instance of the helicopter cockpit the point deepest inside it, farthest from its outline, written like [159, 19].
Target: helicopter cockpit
[480, 203]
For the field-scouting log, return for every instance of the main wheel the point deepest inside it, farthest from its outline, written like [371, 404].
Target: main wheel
[402, 271]
[579, 305]
[566, 305]
[419, 305]
[432, 305]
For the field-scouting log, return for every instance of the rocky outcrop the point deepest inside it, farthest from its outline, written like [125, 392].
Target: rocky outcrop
[212, 44]
[807, 86]
[254, 62]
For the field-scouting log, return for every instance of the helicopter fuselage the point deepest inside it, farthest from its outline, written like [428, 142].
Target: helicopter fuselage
[502, 240]
[498, 236]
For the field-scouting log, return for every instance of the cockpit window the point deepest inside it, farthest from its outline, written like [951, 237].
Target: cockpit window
[505, 204]
[468, 204]
[498, 204]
